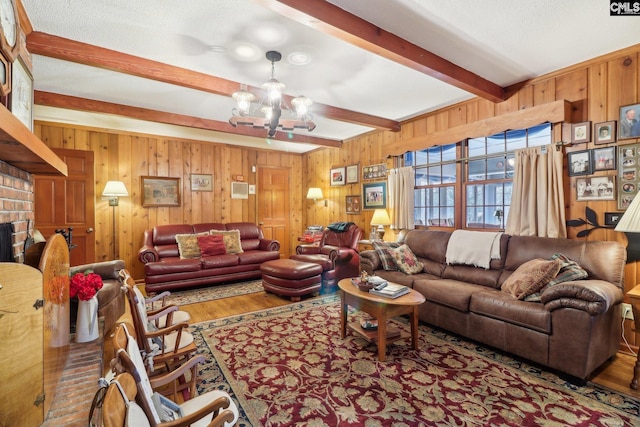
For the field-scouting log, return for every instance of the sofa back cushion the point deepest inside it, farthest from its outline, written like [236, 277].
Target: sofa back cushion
[478, 275]
[250, 234]
[430, 246]
[166, 234]
[205, 227]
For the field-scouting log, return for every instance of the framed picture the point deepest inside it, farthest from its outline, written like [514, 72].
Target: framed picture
[21, 95]
[160, 191]
[352, 174]
[579, 163]
[629, 121]
[628, 174]
[604, 159]
[605, 132]
[581, 132]
[612, 218]
[337, 176]
[201, 182]
[375, 195]
[353, 204]
[374, 171]
[596, 188]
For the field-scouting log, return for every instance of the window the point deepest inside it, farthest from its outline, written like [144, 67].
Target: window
[486, 168]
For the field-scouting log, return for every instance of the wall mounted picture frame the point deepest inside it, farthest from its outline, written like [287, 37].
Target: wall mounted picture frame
[596, 188]
[629, 121]
[579, 163]
[581, 132]
[375, 195]
[201, 182]
[160, 191]
[239, 190]
[612, 218]
[21, 95]
[353, 204]
[605, 132]
[374, 171]
[628, 174]
[337, 176]
[603, 159]
[352, 174]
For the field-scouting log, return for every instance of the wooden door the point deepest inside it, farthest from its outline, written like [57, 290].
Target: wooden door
[273, 206]
[63, 202]
[21, 346]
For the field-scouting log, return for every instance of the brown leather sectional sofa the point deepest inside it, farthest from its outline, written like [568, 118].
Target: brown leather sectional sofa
[165, 270]
[575, 328]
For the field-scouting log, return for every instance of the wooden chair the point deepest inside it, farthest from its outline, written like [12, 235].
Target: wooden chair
[169, 346]
[214, 408]
[155, 313]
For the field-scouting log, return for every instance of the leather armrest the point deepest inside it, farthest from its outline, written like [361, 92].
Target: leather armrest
[269, 245]
[105, 269]
[307, 249]
[342, 255]
[148, 254]
[593, 296]
[370, 261]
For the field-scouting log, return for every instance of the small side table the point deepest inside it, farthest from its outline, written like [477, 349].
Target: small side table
[634, 295]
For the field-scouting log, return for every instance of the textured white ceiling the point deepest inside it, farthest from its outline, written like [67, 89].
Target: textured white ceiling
[503, 41]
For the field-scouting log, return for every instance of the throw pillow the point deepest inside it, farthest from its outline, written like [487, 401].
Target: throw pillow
[386, 257]
[530, 277]
[231, 240]
[406, 260]
[188, 245]
[211, 245]
[569, 270]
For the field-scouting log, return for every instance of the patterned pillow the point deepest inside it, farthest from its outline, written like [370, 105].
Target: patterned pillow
[188, 245]
[530, 277]
[231, 240]
[569, 270]
[386, 257]
[211, 245]
[406, 260]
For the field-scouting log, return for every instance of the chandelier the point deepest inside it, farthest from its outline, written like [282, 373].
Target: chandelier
[272, 107]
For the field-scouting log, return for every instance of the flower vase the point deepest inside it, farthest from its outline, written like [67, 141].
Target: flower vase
[87, 320]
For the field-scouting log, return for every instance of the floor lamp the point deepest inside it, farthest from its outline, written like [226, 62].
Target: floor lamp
[113, 191]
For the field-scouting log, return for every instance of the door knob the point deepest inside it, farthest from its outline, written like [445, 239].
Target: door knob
[89, 230]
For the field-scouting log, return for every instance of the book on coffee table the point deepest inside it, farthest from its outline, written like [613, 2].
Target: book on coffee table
[392, 290]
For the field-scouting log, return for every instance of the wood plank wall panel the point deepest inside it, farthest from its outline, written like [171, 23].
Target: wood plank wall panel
[127, 157]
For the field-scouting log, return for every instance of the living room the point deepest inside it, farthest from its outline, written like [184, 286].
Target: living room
[591, 91]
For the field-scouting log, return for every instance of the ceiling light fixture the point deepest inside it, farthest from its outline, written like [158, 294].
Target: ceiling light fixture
[245, 114]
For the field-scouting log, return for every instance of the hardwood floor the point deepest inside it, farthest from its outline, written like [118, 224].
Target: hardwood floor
[615, 375]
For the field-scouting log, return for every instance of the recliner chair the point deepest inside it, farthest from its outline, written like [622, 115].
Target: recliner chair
[337, 253]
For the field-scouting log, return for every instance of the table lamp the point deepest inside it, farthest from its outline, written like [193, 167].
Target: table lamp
[380, 218]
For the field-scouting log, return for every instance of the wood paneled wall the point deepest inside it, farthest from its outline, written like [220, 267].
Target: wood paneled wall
[127, 157]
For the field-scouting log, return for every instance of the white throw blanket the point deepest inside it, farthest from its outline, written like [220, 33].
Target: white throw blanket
[475, 248]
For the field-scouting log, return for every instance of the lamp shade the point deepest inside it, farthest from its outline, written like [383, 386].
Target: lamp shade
[115, 189]
[630, 221]
[314, 193]
[380, 217]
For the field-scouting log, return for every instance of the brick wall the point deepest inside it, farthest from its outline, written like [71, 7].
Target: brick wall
[16, 204]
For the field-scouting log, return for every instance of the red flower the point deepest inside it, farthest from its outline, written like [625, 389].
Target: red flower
[84, 285]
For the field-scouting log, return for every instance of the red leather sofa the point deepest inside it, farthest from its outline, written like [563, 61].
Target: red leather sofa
[165, 270]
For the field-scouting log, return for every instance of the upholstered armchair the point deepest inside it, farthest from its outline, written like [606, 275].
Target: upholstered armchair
[337, 253]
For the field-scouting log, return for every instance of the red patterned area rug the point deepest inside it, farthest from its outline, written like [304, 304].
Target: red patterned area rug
[214, 292]
[288, 366]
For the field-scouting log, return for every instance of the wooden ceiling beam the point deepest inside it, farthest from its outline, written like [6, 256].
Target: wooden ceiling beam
[70, 50]
[83, 104]
[337, 22]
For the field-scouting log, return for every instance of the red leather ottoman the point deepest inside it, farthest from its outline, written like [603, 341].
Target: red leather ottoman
[290, 278]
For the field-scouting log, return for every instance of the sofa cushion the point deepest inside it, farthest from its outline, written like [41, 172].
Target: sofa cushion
[569, 270]
[530, 277]
[386, 257]
[231, 240]
[211, 245]
[172, 265]
[188, 245]
[501, 306]
[406, 260]
[226, 260]
[257, 257]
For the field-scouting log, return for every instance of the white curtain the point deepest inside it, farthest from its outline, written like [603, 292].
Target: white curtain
[537, 201]
[401, 184]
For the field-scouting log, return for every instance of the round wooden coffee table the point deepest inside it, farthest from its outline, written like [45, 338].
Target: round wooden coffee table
[382, 309]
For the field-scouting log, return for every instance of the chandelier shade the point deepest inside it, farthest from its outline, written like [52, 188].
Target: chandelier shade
[271, 112]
